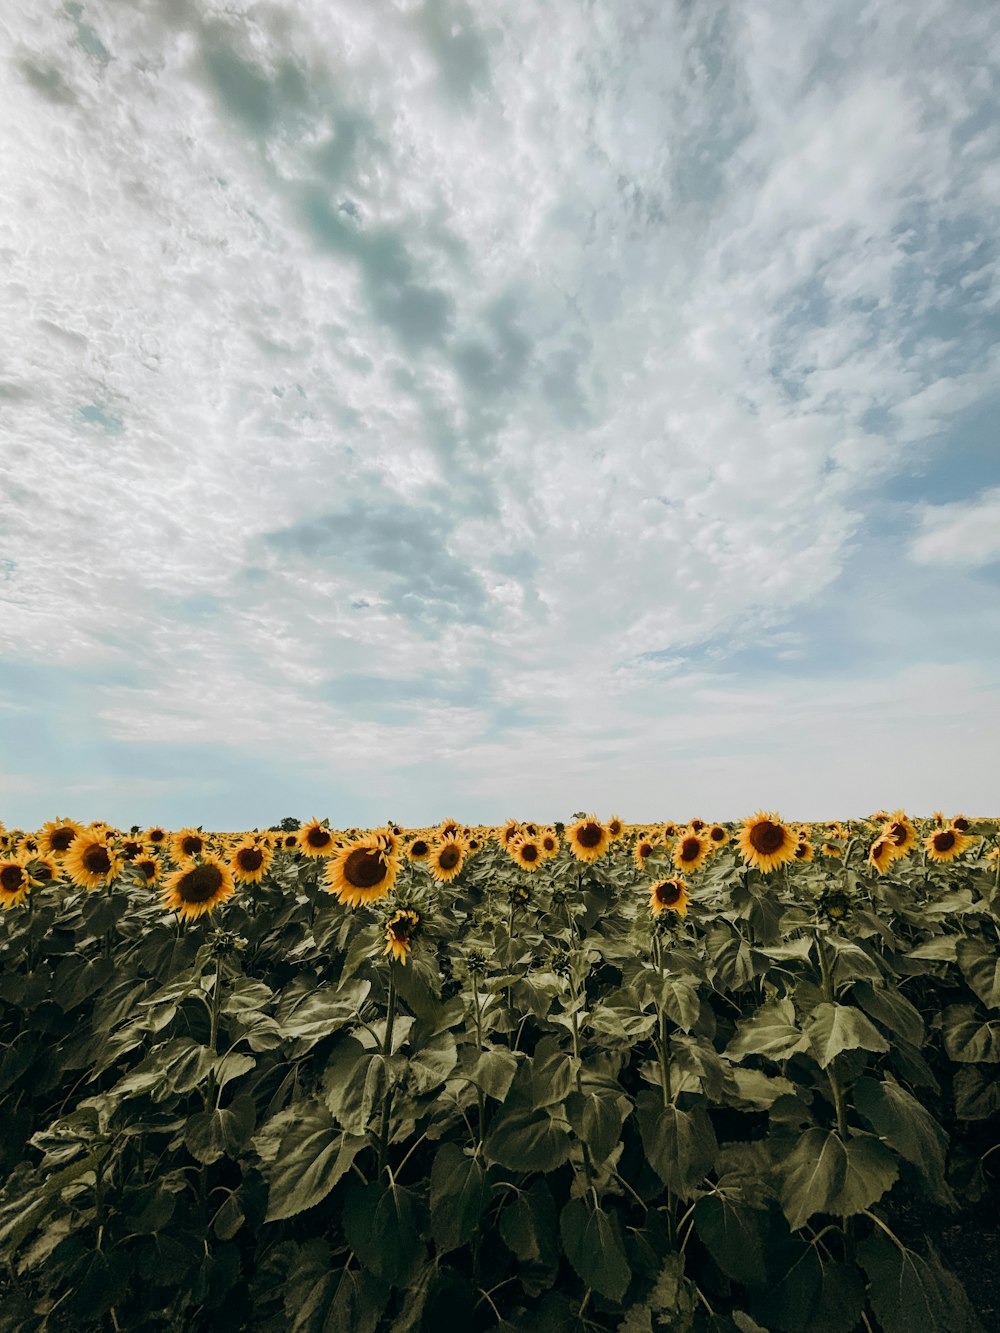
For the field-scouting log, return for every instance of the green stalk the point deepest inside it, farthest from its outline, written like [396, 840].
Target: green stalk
[479, 1044]
[31, 942]
[839, 1100]
[383, 1137]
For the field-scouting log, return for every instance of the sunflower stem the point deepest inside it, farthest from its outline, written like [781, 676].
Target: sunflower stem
[479, 1046]
[31, 940]
[383, 1137]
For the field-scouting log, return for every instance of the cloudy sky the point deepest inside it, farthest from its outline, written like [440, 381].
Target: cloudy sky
[415, 409]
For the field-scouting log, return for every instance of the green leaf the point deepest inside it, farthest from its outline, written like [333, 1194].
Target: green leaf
[832, 1028]
[892, 1009]
[804, 1292]
[553, 1073]
[491, 1070]
[680, 1145]
[221, 1132]
[770, 1031]
[353, 1083]
[977, 1096]
[823, 1175]
[524, 1139]
[380, 1226]
[313, 1156]
[597, 1116]
[528, 1225]
[732, 1233]
[458, 1192]
[908, 1292]
[905, 1125]
[980, 964]
[592, 1240]
[967, 1039]
[431, 1065]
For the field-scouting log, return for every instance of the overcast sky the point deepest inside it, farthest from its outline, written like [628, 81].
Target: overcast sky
[419, 410]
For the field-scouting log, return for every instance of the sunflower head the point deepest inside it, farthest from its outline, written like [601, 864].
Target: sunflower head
[399, 932]
[765, 842]
[691, 851]
[446, 859]
[526, 851]
[588, 839]
[835, 906]
[946, 844]
[199, 886]
[669, 895]
[882, 854]
[361, 871]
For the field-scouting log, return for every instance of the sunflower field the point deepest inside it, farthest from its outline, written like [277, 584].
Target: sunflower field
[582, 1076]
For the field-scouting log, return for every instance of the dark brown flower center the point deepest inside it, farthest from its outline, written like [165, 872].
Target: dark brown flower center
[961, 823]
[944, 841]
[318, 837]
[766, 837]
[645, 849]
[589, 835]
[668, 893]
[529, 852]
[898, 834]
[200, 884]
[148, 868]
[449, 858]
[419, 848]
[250, 858]
[364, 868]
[96, 860]
[402, 929]
[191, 846]
[62, 838]
[690, 849]
[11, 879]
[718, 834]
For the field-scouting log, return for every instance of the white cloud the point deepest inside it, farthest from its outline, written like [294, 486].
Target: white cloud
[966, 534]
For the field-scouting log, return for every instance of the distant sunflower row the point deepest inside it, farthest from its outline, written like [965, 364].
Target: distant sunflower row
[196, 871]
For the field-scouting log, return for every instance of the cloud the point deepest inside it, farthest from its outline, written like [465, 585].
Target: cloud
[966, 535]
[569, 381]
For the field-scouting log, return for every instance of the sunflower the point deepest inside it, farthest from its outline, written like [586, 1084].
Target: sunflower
[187, 842]
[765, 842]
[549, 844]
[399, 932]
[946, 844]
[445, 860]
[803, 850]
[588, 838]
[828, 849]
[644, 849]
[249, 862]
[668, 830]
[835, 905]
[900, 833]
[939, 818]
[961, 823]
[363, 871]
[149, 866]
[15, 881]
[55, 837]
[691, 851]
[512, 827]
[696, 825]
[615, 828]
[527, 852]
[881, 855]
[718, 836]
[92, 861]
[670, 894]
[315, 839]
[198, 886]
[419, 849]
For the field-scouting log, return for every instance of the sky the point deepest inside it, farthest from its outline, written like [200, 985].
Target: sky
[412, 410]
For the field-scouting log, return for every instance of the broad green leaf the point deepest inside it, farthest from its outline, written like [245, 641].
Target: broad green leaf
[528, 1225]
[980, 964]
[680, 1145]
[491, 1070]
[221, 1132]
[823, 1175]
[314, 1154]
[733, 1233]
[381, 1227]
[592, 1240]
[908, 1292]
[524, 1139]
[457, 1195]
[770, 1031]
[804, 1292]
[759, 1089]
[431, 1065]
[832, 1028]
[597, 1116]
[905, 1125]
[673, 1296]
[967, 1039]
[892, 1009]
[553, 1073]
[977, 1096]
